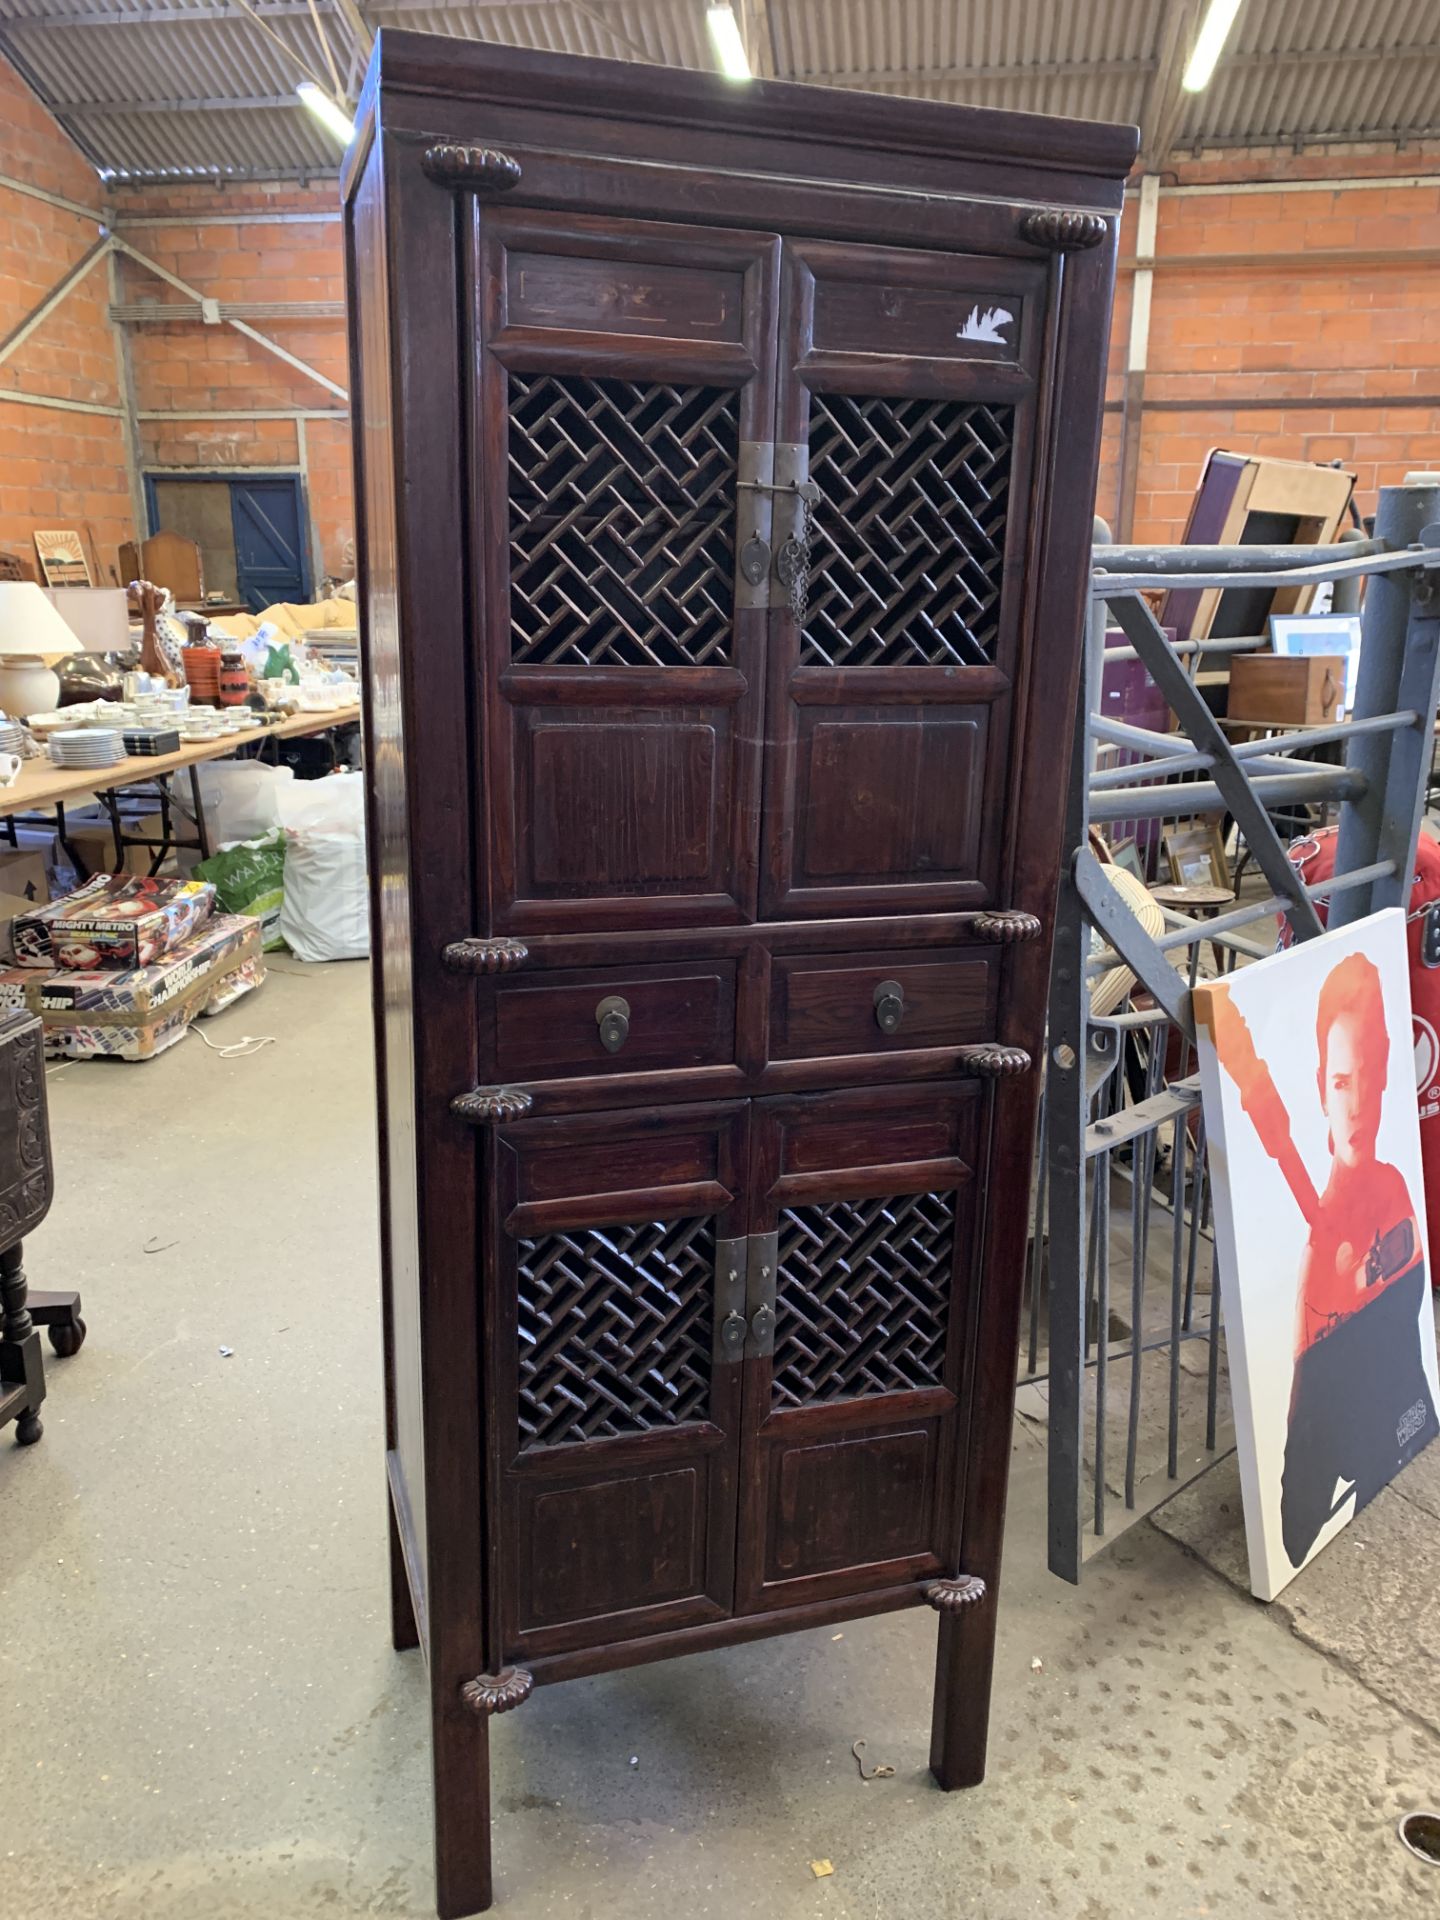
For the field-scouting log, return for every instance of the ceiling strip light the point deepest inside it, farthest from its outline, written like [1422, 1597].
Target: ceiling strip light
[1209, 44]
[326, 111]
[729, 47]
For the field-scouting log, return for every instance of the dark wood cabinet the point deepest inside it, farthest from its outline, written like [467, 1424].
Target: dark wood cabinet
[724, 461]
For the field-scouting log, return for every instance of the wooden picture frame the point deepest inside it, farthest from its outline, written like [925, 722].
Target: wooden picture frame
[1195, 850]
[63, 560]
[1252, 500]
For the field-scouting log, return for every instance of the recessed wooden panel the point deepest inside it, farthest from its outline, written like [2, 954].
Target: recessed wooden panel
[614, 1160]
[646, 297]
[624, 802]
[634, 1541]
[823, 1004]
[681, 1016]
[978, 322]
[850, 1502]
[892, 796]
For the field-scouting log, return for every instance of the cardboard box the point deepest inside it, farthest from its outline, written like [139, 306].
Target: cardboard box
[114, 921]
[95, 845]
[24, 883]
[136, 1014]
[1277, 690]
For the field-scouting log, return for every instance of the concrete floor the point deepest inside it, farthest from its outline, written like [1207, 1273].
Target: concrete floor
[201, 1717]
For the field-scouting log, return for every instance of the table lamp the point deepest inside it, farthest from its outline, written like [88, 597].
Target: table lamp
[33, 636]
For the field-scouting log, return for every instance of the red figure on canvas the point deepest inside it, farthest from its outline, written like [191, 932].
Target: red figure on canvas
[1360, 1401]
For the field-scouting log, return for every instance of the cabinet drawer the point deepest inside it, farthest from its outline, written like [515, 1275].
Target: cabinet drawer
[675, 1016]
[826, 1004]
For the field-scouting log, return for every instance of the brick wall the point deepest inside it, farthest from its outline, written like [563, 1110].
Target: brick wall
[287, 250]
[1278, 349]
[58, 469]
[1272, 350]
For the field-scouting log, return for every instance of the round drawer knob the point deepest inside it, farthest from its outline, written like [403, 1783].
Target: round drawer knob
[612, 1016]
[889, 1005]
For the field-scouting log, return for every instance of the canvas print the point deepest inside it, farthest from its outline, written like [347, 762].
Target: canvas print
[1307, 1077]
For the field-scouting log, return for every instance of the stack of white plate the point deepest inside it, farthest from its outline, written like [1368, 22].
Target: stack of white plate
[87, 747]
[12, 736]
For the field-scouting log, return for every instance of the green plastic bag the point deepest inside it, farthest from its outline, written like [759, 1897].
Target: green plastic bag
[249, 878]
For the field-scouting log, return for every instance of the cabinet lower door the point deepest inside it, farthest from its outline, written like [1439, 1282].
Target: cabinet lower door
[612, 1399]
[863, 1208]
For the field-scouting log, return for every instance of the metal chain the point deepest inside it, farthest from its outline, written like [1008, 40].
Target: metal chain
[793, 564]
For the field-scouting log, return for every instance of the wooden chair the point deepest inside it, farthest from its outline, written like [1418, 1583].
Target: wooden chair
[170, 560]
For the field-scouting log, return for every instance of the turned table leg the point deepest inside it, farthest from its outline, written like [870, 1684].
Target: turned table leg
[19, 1336]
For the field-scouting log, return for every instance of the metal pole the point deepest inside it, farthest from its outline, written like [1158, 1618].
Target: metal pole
[1399, 665]
[1066, 1112]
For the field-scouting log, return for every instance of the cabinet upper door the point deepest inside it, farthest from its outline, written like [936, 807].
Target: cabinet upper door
[909, 388]
[623, 369]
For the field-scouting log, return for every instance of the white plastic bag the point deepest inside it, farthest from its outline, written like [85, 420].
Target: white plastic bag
[326, 911]
[335, 805]
[242, 798]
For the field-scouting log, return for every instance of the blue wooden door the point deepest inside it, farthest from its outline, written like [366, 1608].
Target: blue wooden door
[270, 557]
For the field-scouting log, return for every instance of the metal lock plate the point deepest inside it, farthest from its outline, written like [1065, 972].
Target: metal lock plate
[612, 1016]
[731, 1326]
[755, 560]
[889, 1005]
[764, 1258]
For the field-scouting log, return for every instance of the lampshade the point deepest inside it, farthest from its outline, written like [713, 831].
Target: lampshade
[98, 617]
[29, 624]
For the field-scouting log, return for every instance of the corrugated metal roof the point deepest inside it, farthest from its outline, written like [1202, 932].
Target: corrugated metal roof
[204, 86]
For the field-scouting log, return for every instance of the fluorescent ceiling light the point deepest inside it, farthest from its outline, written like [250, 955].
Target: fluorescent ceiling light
[729, 47]
[1209, 44]
[325, 109]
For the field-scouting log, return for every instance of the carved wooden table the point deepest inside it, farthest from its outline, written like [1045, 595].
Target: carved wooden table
[25, 1193]
[725, 462]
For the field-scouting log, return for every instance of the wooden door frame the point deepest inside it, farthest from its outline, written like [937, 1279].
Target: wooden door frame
[309, 574]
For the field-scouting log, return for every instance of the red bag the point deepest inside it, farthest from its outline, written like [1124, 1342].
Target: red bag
[1315, 857]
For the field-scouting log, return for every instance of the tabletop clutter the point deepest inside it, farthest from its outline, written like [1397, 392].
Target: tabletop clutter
[124, 964]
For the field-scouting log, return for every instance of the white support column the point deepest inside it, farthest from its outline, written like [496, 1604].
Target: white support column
[1137, 355]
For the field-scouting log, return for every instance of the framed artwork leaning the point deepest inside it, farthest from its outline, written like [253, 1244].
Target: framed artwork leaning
[1307, 1075]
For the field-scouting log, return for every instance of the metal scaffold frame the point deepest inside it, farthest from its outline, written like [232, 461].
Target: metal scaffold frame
[1090, 1130]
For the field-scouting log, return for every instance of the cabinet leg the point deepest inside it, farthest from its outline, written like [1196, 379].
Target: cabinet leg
[404, 1631]
[960, 1726]
[463, 1882]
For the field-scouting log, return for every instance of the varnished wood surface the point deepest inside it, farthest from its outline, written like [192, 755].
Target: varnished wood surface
[744, 848]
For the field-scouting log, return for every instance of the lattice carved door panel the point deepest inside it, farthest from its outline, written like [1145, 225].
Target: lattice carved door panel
[849, 1464]
[622, 519]
[616, 1330]
[622, 373]
[907, 398]
[862, 1298]
[615, 1404]
[907, 548]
